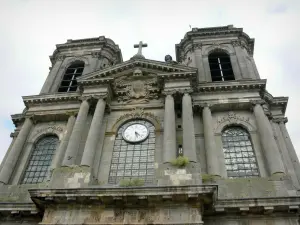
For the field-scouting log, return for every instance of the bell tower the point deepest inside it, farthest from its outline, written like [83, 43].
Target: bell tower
[78, 57]
[226, 50]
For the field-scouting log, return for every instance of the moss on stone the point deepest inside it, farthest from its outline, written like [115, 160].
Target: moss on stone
[131, 182]
[180, 161]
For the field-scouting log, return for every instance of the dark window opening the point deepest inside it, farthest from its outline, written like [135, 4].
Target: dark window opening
[69, 81]
[180, 151]
[40, 160]
[220, 67]
[179, 126]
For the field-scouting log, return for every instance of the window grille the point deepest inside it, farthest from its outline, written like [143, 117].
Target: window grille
[220, 67]
[69, 81]
[40, 160]
[133, 160]
[240, 159]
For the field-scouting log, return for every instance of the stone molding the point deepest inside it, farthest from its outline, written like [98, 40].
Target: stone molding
[126, 195]
[280, 120]
[232, 85]
[217, 47]
[258, 205]
[234, 119]
[90, 82]
[141, 63]
[135, 113]
[177, 91]
[46, 130]
[50, 98]
[91, 97]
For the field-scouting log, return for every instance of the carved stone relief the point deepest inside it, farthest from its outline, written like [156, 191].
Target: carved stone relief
[232, 118]
[136, 87]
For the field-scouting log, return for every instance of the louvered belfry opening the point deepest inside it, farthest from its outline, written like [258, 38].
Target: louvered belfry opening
[220, 66]
[69, 81]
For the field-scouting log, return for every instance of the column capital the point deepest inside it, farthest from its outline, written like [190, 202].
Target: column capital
[280, 120]
[92, 97]
[177, 91]
[257, 102]
[72, 113]
[202, 105]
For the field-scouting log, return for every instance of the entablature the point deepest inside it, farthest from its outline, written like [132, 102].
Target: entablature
[34, 100]
[239, 85]
[127, 196]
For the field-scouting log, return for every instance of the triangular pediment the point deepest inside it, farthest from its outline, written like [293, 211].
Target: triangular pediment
[148, 66]
[136, 80]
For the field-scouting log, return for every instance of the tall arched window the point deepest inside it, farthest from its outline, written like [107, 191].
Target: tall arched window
[69, 82]
[133, 153]
[239, 155]
[40, 160]
[220, 66]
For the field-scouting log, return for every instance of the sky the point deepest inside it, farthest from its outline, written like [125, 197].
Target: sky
[30, 29]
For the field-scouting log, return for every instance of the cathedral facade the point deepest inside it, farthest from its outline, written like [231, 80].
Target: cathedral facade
[196, 140]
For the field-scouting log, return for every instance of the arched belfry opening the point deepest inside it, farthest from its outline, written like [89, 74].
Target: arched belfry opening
[69, 81]
[220, 66]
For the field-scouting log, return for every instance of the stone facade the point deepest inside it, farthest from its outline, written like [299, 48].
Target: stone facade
[189, 113]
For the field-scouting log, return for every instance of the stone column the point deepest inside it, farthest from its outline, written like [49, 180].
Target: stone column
[75, 137]
[268, 142]
[93, 135]
[169, 145]
[288, 164]
[15, 151]
[212, 161]
[60, 152]
[290, 147]
[189, 142]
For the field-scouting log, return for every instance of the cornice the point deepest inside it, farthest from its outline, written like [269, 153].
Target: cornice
[130, 195]
[258, 205]
[50, 98]
[17, 208]
[232, 85]
[95, 81]
[276, 101]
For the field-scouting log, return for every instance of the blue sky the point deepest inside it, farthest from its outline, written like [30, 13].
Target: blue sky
[31, 28]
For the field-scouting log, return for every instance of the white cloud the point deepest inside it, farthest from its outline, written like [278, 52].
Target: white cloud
[30, 29]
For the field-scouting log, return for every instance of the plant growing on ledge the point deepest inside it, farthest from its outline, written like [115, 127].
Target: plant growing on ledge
[180, 161]
[131, 182]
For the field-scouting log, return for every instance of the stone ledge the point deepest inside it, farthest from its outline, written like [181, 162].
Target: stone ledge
[133, 195]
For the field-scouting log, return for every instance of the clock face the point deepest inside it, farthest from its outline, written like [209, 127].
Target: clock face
[135, 132]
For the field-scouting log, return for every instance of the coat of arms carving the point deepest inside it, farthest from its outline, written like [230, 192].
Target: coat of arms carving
[136, 87]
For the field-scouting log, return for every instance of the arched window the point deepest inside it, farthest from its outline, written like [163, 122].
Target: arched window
[40, 160]
[240, 158]
[132, 159]
[69, 82]
[220, 66]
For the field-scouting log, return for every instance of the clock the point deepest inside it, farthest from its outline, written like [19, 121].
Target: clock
[135, 132]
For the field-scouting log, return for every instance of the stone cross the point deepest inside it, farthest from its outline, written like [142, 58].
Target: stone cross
[140, 46]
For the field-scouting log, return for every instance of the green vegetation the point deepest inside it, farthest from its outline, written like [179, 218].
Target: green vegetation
[131, 183]
[180, 161]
